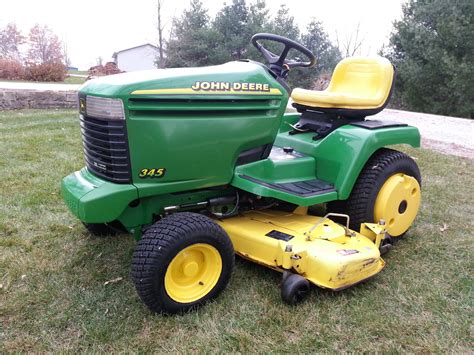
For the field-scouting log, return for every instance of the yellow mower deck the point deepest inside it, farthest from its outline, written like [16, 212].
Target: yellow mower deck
[328, 255]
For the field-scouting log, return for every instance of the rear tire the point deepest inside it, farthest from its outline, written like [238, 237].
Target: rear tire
[389, 188]
[181, 262]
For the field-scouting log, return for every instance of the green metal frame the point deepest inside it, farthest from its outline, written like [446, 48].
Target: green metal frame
[337, 159]
[198, 137]
[94, 200]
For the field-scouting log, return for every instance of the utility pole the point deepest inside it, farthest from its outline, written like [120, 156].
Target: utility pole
[161, 60]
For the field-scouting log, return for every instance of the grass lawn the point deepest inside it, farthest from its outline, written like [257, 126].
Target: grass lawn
[67, 80]
[74, 80]
[80, 72]
[52, 272]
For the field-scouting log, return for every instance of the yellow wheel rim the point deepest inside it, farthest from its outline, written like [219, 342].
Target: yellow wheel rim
[193, 273]
[398, 202]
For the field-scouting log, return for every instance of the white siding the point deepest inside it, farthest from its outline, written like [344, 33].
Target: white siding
[139, 58]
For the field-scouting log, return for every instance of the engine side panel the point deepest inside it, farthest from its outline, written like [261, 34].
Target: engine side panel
[187, 127]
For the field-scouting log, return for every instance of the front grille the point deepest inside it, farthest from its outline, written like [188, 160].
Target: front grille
[106, 148]
[204, 107]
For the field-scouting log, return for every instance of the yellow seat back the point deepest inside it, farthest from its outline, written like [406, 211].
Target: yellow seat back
[358, 83]
[363, 77]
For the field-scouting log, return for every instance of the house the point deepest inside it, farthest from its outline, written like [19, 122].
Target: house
[136, 58]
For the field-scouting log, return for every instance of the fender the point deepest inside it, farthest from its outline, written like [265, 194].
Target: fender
[341, 155]
[355, 146]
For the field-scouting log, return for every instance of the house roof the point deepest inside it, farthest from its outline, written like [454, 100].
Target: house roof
[128, 49]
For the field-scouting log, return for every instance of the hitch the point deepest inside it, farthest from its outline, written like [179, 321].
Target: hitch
[377, 232]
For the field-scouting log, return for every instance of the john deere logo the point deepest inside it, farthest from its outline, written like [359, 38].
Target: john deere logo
[227, 86]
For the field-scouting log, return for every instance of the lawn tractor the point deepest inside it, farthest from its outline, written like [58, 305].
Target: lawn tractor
[200, 164]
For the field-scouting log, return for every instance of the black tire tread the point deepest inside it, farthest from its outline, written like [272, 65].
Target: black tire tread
[290, 285]
[157, 242]
[358, 205]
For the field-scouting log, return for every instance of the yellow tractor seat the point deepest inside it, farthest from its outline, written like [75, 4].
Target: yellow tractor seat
[360, 86]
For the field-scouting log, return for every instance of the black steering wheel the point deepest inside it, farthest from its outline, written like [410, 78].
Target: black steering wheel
[278, 63]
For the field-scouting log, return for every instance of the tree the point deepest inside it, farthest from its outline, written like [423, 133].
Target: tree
[315, 39]
[258, 21]
[284, 24]
[232, 22]
[193, 42]
[327, 55]
[160, 27]
[351, 46]
[197, 41]
[432, 47]
[10, 41]
[44, 46]
[258, 17]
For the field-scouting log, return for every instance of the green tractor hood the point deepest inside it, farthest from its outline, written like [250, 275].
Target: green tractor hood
[229, 79]
[183, 130]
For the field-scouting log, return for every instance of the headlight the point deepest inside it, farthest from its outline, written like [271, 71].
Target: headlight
[103, 107]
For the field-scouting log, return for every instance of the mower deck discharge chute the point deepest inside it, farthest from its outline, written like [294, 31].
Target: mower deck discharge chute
[201, 164]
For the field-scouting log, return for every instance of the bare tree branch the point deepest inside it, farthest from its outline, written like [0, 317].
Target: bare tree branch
[160, 27]
[351, 45]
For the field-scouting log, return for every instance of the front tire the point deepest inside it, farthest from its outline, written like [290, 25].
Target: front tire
[181, 262]
[388, 188]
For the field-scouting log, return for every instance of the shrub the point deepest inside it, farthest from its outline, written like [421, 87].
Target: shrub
[11, 69]
[322, 81]
[109, 68]
[45, 72]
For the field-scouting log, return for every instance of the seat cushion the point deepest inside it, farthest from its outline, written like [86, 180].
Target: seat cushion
[359, 83]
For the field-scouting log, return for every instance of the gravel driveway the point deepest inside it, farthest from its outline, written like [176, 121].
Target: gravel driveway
[38, 86]
[448, 135]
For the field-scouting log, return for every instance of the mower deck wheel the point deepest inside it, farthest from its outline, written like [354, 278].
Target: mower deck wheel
[386, 245]
[181, 262]
[294, 289]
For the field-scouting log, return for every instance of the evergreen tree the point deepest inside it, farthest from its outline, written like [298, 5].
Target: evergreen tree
[232, 22]
[258, 17]
[284, 24]
[327, 55]
[258, 22]
[432, 47]
[197, 41]
[194, 42]
[315, 39]
[318, 42]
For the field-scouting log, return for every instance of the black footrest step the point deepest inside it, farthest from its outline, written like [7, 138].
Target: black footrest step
[300, 188]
